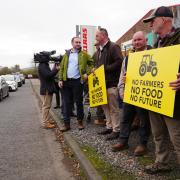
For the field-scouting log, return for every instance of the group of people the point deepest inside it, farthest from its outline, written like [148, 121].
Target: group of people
[73, 72]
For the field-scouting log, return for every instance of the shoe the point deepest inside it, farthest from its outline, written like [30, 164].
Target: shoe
[51, 121]
[49, 126]
[112, 136]
[66, 127]
[100, 122]
[80, 125]
[140, 150]
[57, 107]
[119, 147]
[157, 168]
[106, 131]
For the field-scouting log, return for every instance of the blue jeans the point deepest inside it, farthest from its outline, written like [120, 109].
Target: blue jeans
[129, 112]
[72, 88]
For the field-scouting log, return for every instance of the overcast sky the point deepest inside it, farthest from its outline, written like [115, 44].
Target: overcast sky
[28, 26]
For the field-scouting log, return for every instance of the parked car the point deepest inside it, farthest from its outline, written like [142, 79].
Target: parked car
[4, 88]
[22, 77]
[11, 81]
[18, 80]
[29, 76]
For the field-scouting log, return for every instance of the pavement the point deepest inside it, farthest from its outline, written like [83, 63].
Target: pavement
[28, 152]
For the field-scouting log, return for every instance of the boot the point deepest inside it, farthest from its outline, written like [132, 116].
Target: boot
[157, 168]
[49, 126]
[112, 136]
[105, 132]
[140, 150]
[51, 121]
[100, 122]
[66, 127]
[119, 147]
[80, 125]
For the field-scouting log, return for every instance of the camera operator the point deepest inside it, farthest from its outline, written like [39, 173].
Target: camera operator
[47, 88]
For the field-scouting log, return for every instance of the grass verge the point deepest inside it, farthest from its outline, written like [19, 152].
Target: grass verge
[106, 170]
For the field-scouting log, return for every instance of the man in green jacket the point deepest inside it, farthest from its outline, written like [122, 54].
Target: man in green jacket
[161, 22]
[75, 67]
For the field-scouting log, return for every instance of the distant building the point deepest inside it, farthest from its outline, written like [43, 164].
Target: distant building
[125, 41]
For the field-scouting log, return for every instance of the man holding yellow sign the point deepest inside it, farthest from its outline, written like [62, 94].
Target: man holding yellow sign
[161, 21]
[109, 55]
[139, 42]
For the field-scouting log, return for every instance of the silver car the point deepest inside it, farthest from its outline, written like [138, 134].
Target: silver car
[4, 88]
[11, 81]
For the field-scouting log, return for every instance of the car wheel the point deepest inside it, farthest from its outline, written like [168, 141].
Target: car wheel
[1, 95]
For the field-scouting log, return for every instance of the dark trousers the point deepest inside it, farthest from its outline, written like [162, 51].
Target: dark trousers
[72, 88]
[129, 112]
[57, 94]
[100, 113]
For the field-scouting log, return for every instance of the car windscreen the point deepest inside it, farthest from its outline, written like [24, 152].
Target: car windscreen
[9, 78]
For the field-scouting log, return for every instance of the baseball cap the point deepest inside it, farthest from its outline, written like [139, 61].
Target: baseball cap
[159, 12]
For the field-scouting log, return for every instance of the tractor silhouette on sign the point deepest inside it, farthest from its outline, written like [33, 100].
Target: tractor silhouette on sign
[95, 81]
[148, 65]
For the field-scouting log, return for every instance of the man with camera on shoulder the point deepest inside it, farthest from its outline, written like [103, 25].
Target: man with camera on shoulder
[47, 85]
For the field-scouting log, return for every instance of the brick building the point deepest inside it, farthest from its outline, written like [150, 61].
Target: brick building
[125, 40]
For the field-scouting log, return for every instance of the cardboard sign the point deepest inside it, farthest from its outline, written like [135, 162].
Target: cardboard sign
[97, 87]
[148, 76]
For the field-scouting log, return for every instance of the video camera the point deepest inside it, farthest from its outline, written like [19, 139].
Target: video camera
[46, 56]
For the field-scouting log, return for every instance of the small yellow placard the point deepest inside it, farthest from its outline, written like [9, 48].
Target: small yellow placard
[97, 87]
[148, 76]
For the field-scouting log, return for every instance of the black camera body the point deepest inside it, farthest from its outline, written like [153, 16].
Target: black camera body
[56, 59]
[46, 56]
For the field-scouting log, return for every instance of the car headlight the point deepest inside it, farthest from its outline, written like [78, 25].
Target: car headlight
[12, 83]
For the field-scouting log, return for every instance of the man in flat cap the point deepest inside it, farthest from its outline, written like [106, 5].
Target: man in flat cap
[161, 22]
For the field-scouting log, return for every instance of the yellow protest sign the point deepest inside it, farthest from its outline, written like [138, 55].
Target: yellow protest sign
[148, 76]
[97, 87]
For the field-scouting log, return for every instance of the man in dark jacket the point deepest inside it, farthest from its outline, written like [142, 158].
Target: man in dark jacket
[47, 88]
[100, 116]
[161, 21]
[109, 54]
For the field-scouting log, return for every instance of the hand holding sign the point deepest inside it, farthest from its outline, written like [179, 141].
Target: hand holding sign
[93, 70]
[124, 78]
[85, 76]
[175, 84]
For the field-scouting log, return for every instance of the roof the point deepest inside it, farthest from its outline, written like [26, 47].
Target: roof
[146, 15]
